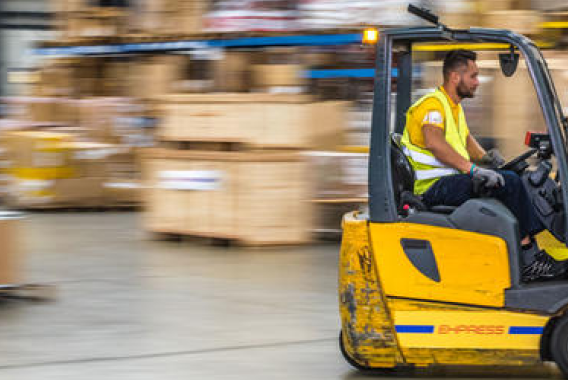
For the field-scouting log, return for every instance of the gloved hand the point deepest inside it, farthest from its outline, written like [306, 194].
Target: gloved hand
[492, 159]
[490, 177]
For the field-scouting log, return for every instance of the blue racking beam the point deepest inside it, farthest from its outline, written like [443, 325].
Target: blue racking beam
[302, 40]
[343, 73]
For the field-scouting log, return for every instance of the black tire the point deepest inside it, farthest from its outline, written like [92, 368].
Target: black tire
[367, 369]
[559, 345]
[348, 358]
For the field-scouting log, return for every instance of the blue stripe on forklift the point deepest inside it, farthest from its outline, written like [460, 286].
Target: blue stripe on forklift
[525, 330]
[415, 329]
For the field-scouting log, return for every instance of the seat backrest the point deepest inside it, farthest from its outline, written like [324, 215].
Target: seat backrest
[401, 170]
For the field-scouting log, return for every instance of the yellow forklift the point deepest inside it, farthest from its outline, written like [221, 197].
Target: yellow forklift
[443, 286]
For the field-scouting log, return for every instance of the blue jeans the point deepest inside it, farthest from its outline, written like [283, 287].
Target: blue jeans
[453, 190]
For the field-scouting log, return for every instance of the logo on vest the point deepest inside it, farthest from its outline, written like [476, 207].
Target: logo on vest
[433, 117]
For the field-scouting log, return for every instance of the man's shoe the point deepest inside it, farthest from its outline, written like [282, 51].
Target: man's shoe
[544, 267]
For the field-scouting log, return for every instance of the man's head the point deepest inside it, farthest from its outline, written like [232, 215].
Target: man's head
[460, 72]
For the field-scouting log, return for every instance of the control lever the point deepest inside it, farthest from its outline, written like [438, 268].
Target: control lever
[541, 173]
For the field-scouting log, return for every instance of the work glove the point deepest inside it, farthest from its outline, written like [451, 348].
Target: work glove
[490, 177]
[492, 159]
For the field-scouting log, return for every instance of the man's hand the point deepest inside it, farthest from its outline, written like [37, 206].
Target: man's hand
[491, 177]
[492, 159]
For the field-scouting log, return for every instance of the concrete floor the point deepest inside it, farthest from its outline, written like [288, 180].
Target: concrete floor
[131, 308]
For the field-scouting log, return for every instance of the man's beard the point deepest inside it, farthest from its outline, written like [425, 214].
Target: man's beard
[463, 92]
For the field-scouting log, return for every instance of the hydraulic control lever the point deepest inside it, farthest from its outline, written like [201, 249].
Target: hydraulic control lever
[541, 173]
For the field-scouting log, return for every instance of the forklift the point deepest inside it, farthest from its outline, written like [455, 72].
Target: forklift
[442, 286]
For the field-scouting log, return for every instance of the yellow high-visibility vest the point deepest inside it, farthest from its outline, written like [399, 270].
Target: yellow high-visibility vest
[426, 167]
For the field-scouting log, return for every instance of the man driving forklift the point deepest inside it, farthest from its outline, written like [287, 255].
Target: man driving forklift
[448, 161]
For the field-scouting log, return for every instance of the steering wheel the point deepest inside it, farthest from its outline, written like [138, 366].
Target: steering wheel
[517, 160]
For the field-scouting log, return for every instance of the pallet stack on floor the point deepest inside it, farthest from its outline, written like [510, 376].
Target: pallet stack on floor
[233, 166]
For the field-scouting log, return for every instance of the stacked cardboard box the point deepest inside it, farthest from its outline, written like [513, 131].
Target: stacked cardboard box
[279, 78]
[166, 17]
[50, 169]
[41, 109]
[83, 77]
[112, 120]
[91, 22]
[116, 128]
[214, 71]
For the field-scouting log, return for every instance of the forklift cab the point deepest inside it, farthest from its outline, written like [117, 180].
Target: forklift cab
[443, 286]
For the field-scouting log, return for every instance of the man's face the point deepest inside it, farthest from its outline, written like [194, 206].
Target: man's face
[468, 81]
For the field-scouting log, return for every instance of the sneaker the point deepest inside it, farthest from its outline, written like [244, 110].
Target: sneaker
[529, 253]
[544, 267]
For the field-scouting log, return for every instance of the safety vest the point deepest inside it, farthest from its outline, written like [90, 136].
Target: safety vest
[426, 167]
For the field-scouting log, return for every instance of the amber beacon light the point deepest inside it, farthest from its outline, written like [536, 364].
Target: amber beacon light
[370, 36]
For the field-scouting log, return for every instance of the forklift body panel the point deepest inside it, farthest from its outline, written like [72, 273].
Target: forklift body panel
[381, 331]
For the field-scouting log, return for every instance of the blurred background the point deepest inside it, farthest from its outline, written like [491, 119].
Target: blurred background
[227, 107]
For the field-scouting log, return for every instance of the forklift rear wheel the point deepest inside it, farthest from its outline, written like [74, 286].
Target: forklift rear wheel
[349, 359]
[366, 369]
[559, 345]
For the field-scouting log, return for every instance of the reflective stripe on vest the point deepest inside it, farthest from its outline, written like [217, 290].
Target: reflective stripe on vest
[434, 173]
[426, 167]
[422, 158]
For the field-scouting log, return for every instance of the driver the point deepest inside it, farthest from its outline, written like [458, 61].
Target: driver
[445, 158]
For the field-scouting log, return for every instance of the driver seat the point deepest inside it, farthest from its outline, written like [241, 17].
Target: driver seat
[403, 178]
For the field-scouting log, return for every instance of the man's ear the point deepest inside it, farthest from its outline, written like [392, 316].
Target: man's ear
[455, 77]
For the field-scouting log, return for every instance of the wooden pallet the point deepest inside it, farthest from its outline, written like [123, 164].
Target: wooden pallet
[221, 146]
[78, 209]
[355, 200]
[217, 240]
[33, 292]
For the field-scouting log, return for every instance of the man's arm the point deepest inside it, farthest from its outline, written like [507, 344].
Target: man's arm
[475, 151]
[435, 142]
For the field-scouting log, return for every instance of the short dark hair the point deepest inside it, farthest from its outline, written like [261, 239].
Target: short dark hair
[457, 58]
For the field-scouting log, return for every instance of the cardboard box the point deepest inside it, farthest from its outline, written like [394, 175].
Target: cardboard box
[232, 73]
[496, 5]
[258, 120]
[78, 192]
[88, 159]
[520, 21]
[172, 17]
[42, 109]
[59, 6]
[92, 22]
[284, 75]
[121, 191]
[52, 170]
[155, 76]
[256, 198]
[32, 151]
[11, 258]
[56, 79]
